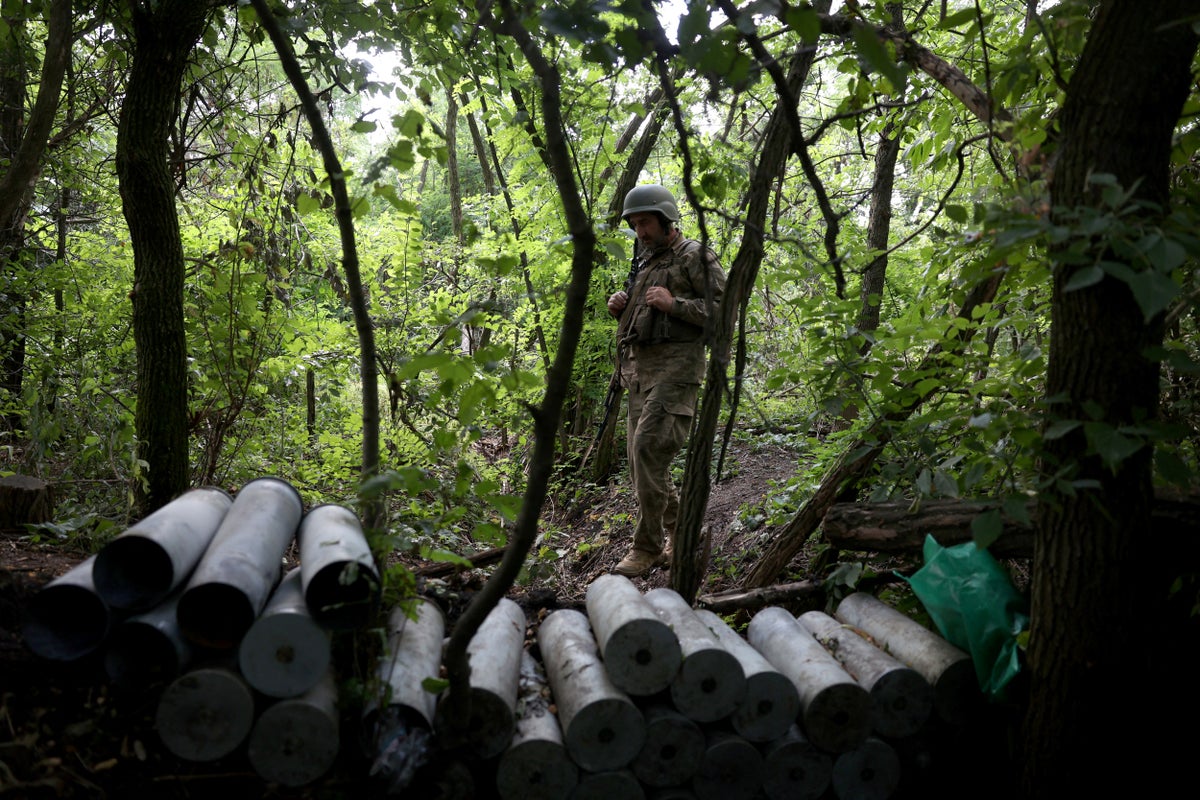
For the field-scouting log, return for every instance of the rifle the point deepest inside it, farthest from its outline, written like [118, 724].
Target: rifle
[612, 398]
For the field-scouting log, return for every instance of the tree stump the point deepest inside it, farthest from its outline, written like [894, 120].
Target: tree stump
[24, 500]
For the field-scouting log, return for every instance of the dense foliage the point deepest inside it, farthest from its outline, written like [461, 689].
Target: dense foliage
[848, 337]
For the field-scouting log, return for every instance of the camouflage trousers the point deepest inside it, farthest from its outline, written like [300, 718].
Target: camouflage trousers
[659, 422]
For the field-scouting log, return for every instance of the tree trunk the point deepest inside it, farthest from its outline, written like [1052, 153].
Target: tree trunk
[777, 145]
[901, 528]
[454, 185]
[163, 39]
[1092, 589]
[22, 143]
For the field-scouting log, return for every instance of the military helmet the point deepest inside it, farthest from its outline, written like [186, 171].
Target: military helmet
[651, 197]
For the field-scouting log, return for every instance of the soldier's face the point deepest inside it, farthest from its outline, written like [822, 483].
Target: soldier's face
[649, 229]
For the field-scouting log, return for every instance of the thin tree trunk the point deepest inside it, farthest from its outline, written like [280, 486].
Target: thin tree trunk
[372, 508]
[1094, 593]
[163, 38]
[778, 143]
[454, 184]
[547, 416]
[481, 148]
[22, 144]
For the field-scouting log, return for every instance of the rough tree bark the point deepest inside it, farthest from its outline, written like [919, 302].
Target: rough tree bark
[23, 141]
[546, 417]
[1093, 593]
[777, 145]
[164, 35]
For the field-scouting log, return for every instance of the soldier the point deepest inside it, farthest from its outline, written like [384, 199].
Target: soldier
[660, 344]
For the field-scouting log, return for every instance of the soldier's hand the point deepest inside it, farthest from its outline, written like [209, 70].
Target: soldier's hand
[616, 303]
[660, 297]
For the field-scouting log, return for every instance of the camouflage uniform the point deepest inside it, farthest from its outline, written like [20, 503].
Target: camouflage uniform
[662, 367]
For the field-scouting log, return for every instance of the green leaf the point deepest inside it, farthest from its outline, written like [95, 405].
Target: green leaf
[963, 17]
[363, 126]
[1083, 278]
[1110, 444]
[306, 203]
[945, 484]
[435, 685]
[1153, 291]
[956, 212]
[803, 21]
[1061, 428]
[987, 527]
[876, 53]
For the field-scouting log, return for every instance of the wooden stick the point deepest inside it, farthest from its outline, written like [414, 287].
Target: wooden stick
[771, 703]
[641, 654]
[949, 670]
[674, 748]
[794, 768]
[710, 684]
[750, 599]
[835, 711]
[602, 729]
[902, 698]
[536, 765]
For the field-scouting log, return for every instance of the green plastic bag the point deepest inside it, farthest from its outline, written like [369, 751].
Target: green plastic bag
[973, 602]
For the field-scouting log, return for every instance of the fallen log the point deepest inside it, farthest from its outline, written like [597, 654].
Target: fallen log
[441, 569]
[901, 528]
[752, 599]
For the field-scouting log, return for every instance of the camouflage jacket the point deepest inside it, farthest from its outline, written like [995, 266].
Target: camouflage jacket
[668, 347]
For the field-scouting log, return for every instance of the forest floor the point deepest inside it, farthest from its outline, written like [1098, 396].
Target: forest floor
[65, 731]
